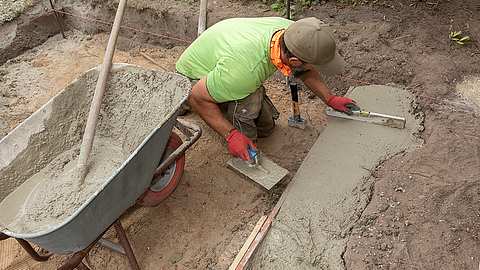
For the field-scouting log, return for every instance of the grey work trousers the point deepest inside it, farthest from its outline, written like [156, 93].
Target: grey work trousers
[253, 115]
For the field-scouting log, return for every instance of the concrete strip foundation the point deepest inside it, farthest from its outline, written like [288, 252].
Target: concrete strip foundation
[333, 185]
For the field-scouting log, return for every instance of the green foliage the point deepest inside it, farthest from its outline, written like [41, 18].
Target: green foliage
[459, 38]
[278, 6]
[297, 6]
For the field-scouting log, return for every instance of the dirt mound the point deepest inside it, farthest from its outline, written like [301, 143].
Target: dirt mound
[422, 210]
[10, 9]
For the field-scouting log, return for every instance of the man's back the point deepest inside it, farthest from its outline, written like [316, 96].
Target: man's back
[234, 55]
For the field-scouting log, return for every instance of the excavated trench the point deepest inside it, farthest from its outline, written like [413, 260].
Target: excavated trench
[166, 25]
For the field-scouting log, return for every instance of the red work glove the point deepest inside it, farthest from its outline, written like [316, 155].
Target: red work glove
[343, 104]
[238, 144]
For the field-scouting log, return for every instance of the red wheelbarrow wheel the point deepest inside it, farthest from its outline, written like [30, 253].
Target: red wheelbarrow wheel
[168, 180]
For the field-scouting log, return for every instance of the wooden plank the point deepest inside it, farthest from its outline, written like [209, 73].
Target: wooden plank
[264, 229]
[256, 241]
[247, 243]
[146, 56]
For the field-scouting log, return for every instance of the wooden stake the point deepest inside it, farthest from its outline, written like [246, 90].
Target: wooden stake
[202, 17]
[146, 56]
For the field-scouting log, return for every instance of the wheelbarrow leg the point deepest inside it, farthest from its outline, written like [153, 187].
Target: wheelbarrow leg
[75, 261]
[28, 248]
[32, 252]
[82, 266]
[122, 237]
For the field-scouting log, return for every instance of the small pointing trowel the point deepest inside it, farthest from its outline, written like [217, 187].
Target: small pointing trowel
[370, 117]
[259, 169]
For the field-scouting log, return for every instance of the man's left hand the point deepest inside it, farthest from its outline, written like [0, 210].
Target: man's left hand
[343, 104]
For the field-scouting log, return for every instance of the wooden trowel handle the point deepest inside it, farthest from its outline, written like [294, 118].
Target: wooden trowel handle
[89, 133]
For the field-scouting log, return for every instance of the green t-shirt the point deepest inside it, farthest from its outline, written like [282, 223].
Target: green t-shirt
[234, 55]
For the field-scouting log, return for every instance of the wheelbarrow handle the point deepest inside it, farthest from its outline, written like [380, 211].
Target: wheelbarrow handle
[193, 133]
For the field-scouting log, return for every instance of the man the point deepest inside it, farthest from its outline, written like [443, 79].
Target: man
[233, 58]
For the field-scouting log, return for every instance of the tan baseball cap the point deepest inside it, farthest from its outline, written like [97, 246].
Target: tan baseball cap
[312, 42]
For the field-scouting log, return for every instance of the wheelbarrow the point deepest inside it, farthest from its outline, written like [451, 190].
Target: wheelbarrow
[149, 174]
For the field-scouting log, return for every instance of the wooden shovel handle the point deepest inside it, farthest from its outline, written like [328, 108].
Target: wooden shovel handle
[89, 133]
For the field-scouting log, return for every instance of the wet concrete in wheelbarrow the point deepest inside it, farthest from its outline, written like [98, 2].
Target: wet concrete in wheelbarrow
[38, 197]
[333, 186]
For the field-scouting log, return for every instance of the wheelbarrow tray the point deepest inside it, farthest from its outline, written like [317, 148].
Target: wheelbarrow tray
[120, 191]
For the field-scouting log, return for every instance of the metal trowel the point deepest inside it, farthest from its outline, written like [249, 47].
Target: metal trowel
[259, 168]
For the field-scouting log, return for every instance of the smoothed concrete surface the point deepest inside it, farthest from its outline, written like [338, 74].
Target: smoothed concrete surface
[332, 187]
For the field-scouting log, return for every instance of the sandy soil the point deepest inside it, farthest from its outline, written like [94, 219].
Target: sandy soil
[213, 205]
[424, 206]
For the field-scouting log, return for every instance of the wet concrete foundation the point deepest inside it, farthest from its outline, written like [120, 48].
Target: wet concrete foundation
[333, 185]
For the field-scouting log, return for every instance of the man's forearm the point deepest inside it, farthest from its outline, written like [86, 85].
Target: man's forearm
[312, 80]
[211, 114]
[339, 103]
[201, 101]
[205, 106]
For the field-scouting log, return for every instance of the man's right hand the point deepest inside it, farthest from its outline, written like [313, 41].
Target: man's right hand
[207, 108]
[343, 104]
[238, 144]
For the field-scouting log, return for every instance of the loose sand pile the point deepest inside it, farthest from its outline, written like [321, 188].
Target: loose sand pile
[10, 9]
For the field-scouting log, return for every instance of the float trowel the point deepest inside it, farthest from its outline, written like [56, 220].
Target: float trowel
[259, 169]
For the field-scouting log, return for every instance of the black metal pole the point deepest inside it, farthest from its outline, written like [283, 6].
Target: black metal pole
[287, 9]
[57, 18]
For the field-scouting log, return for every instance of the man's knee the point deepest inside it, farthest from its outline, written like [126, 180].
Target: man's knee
[265, 129]
[266, 118]
[243, 113]
[248, 129]
[253, 115]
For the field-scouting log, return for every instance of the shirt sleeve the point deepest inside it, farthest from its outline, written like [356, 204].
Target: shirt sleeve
[230, 80]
